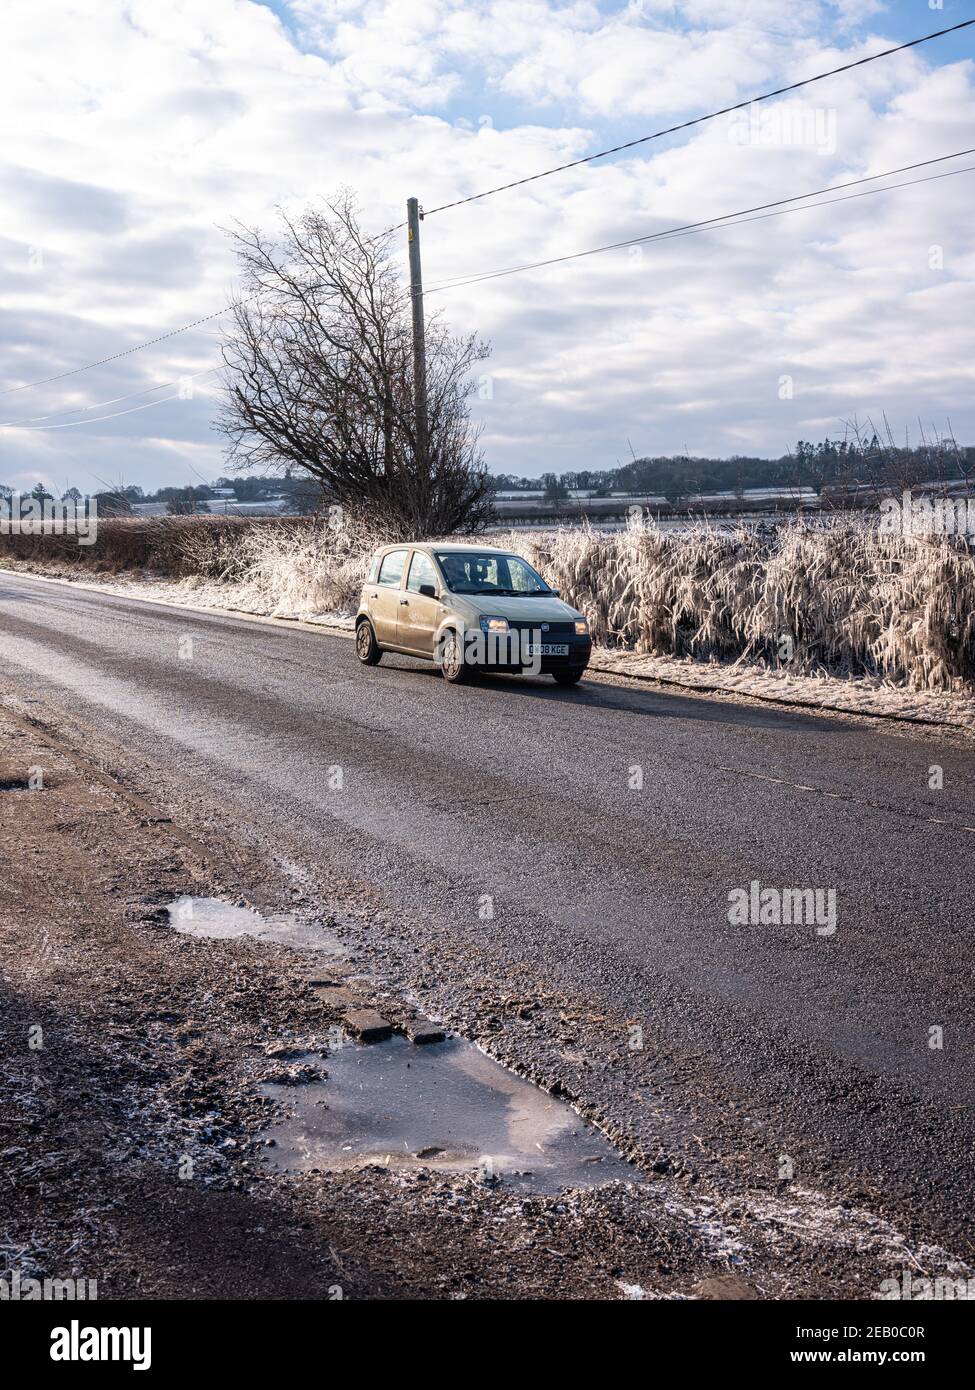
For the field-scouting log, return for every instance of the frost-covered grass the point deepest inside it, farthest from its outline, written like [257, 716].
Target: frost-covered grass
[296, 570]
[839, 598]
[292, 565]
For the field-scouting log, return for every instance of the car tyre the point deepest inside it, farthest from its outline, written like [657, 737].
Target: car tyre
[453, 667]
[568, 677]
[367, 649]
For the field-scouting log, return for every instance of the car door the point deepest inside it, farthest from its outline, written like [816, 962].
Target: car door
[385, 594]
[419, 614]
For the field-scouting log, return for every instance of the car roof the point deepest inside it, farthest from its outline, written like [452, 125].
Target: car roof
[429, 547]
[454, 548]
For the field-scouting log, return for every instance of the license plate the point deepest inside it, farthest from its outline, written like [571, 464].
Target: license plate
[547, 649]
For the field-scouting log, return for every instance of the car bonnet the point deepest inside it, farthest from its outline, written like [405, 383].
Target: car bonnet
[543, 609]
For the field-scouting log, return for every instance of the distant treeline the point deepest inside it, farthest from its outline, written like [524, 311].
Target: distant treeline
[300, 496]
[865, 461]
[868, 462]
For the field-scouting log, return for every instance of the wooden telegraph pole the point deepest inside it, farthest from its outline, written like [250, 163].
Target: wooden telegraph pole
[419, 341]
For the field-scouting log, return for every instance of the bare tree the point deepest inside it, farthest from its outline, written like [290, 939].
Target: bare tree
[319, 379]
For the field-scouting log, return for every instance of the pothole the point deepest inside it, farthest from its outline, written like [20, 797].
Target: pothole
[222, 921]
[446, 1106]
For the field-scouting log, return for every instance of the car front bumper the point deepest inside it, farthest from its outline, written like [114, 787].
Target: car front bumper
[499, 657]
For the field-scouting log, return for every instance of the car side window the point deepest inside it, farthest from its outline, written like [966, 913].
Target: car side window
[391, 569]
[421, 572]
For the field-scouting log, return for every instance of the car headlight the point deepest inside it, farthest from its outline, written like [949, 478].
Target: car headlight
[494, 624]
[582, 627]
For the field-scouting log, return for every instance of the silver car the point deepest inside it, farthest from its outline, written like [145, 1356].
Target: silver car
[468, 608]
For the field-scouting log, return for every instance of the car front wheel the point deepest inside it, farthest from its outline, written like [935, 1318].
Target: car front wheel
[567, 677]
[453, 667]
[367, 649]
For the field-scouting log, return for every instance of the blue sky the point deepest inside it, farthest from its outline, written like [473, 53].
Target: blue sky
[133, 133]
[899, 21]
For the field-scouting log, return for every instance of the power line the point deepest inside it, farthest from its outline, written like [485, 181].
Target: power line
[97, 405]
[97, 419]
[516, 183]
[698, 120]
[695, 228]
[755, 214]
[744, 214]
[150, 342]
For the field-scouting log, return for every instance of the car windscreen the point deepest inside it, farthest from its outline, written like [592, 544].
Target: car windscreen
[481, 572]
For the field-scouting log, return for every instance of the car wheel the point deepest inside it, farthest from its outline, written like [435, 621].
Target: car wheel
[568, 677]
[453, 667]
[367, 649]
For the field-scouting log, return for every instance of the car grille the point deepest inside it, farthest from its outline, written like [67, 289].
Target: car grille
[555, 630]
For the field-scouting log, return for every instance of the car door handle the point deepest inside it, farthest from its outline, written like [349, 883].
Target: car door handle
[404, 602]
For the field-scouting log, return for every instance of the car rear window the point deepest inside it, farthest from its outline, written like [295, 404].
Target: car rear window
[391, 569]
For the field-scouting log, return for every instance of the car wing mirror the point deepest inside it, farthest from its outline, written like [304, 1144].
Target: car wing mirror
[428, 590]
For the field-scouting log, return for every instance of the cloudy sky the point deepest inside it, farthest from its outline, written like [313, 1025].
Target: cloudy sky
[133, 132]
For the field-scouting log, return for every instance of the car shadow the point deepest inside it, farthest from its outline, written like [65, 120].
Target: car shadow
[652, 704]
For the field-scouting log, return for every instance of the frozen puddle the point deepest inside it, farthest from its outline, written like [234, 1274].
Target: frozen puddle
[445, 1106]
[214, 918]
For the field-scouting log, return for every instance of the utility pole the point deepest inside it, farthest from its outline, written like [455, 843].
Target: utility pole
[419, 340]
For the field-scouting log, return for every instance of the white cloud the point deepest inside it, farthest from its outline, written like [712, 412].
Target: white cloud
[134, 132]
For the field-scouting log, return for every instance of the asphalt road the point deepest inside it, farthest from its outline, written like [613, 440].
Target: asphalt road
[610, 902]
